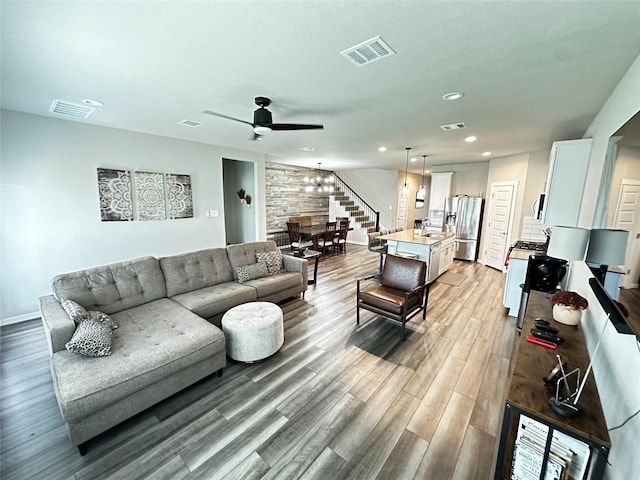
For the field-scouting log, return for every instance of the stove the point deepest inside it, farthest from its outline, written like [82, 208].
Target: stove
[534, 246]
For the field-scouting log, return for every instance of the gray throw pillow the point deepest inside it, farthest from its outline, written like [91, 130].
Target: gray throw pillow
[102, 318]
[249, 272]
[272, 259]
[92, 338]
[75, 311]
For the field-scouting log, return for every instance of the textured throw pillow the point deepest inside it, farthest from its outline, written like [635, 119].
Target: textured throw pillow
[249, 272]
[272, 259]
[75, 311]
[102, 318]
[91, 338]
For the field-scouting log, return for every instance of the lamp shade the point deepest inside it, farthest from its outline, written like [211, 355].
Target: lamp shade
[568, 243]
[607, 246]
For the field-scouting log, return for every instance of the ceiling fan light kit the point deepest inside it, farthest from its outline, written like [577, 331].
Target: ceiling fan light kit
[263, 121]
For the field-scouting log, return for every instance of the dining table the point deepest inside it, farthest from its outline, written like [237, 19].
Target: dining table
[314, 232]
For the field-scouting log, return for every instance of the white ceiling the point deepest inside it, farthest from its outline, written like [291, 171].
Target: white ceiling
[531, 72]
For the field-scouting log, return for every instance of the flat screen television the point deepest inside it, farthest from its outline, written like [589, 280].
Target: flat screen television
[609, 306]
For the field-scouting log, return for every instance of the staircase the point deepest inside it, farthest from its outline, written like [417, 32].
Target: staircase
[354, 211]
[359, 211]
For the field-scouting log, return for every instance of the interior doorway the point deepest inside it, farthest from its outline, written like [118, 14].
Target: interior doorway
[502, 197]
[238, 180]
[627, 217]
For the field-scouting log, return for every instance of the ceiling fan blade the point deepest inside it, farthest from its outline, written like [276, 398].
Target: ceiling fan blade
[209, 112]
[295, 126]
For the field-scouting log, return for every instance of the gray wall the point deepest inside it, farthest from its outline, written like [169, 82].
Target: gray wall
[240, 217]
[468, 178]
[286, 196]
[50, 210]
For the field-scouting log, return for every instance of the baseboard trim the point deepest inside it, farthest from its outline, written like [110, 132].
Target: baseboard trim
[19, 318]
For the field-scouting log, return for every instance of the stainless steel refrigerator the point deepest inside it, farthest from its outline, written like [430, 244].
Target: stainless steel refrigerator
[463, 217]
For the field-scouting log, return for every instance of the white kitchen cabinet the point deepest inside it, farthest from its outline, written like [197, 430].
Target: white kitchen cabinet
[516, 274]
[568, 165]
[447, 249]
[440, 190]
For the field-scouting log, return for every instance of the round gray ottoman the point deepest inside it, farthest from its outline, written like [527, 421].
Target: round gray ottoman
[253, 331]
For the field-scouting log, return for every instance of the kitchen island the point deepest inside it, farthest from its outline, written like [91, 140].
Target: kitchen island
[436, 249]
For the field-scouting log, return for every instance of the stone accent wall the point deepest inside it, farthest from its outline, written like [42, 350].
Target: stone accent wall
[286, 196]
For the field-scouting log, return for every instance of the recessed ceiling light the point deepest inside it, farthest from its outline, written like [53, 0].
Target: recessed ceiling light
[382, 149]
[470, 139]
[412, 159]
[93, 103]
[307, 149]
[453, 96]
[486, 154]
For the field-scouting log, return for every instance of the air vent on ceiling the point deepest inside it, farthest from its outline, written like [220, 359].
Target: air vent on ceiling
[367, 52]
[189, 123]
[69, 109]
[454, 126]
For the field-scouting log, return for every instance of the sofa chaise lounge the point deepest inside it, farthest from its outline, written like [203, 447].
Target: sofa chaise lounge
[168, 313]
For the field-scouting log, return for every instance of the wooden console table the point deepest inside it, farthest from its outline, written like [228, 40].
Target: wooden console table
[529, 396]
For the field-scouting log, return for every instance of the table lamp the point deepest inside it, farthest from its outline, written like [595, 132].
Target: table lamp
[606, 247]
[544, 272]
[568, 243]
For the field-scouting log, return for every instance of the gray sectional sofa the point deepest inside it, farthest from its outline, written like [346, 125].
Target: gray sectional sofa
[168, 311]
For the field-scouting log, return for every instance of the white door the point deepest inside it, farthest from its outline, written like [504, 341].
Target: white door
[401, 218]
[501, 199]
[628, 218]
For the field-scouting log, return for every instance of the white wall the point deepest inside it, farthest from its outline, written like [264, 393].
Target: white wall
[617, 366]
[50, 212]
[529, 170]
[621, 105]
[468, 178]
[375, 186]
[627, 167]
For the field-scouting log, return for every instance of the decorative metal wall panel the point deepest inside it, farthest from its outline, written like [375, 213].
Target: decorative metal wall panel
[114, 190]
[179, 197]
[150, 196]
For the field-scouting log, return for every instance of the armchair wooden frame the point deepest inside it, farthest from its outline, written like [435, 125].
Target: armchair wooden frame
[409, 308]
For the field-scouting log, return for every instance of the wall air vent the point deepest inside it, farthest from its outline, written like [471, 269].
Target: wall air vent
[368, 52]
[454, 126]
[68, 109]
[189, 123]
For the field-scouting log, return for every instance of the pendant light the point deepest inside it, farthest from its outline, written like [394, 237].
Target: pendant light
[319, 180]
[405, 187]
[423, 188]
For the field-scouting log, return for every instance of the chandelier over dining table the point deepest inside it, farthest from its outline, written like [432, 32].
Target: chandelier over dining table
[320, 183]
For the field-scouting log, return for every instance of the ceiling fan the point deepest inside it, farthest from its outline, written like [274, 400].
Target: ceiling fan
[263, 122]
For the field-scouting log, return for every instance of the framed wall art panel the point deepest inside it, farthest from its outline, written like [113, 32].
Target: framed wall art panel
[114, 191]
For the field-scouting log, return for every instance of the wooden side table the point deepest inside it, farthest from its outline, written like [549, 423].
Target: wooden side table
[529, 396]
[308, 254]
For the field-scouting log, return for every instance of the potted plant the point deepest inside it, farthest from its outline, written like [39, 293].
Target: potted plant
[568, 306]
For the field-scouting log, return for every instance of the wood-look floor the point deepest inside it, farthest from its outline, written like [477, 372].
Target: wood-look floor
[336, 402]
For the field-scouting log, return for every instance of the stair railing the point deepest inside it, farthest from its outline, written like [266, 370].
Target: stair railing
[358, 200]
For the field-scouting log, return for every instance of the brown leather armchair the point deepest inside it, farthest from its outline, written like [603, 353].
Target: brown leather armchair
[401, 294]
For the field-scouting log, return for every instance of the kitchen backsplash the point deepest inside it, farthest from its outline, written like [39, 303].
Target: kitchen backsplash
[532, 230]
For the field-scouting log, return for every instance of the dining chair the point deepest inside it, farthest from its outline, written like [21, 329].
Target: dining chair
[328, 239]
[341, 236]
[401, 293]
[295, 237]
